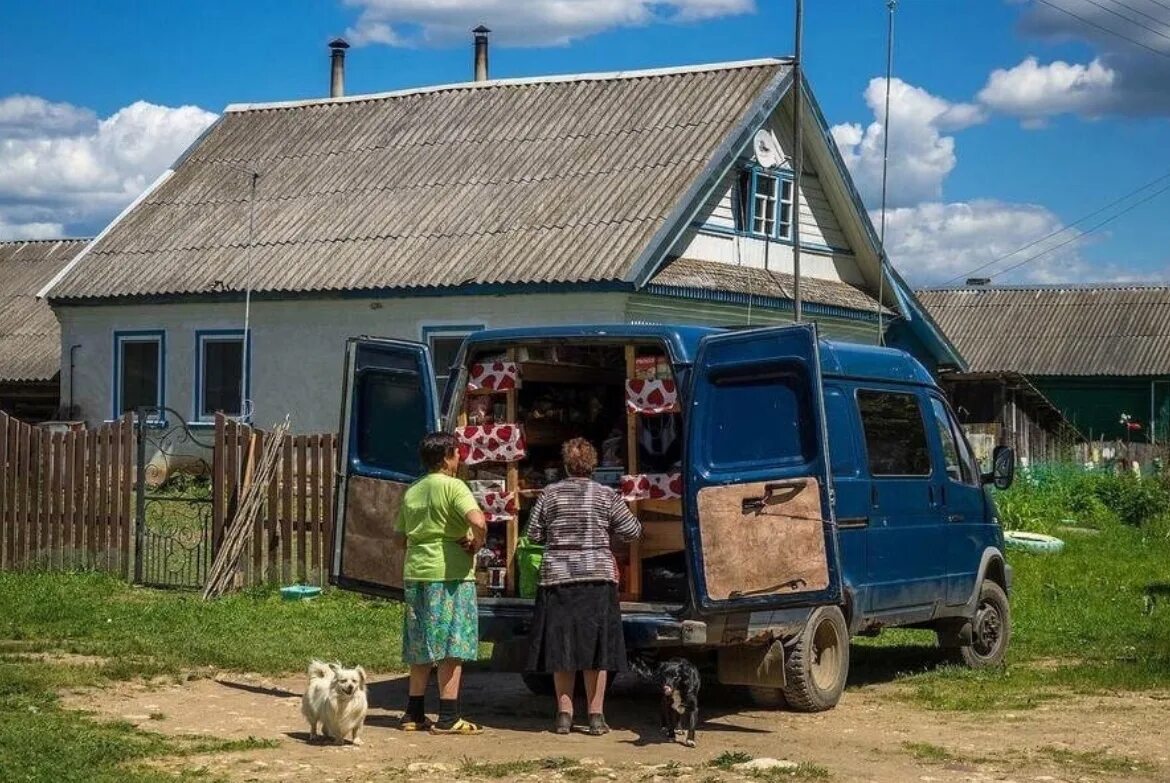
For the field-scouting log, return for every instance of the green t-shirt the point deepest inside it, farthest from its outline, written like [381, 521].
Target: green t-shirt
[433, 515]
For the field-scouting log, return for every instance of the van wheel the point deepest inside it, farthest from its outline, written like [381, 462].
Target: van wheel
[766, 698]
[818, 664]
[991, 629]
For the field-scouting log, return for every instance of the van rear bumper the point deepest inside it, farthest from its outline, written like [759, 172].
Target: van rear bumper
[645, 627]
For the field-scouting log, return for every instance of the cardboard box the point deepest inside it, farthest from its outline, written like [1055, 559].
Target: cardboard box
[645, 368]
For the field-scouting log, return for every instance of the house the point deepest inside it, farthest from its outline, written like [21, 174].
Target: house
[1095, 351]
[30, 342]
[429, 213]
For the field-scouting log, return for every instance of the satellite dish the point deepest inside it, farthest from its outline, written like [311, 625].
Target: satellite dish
[767, 149]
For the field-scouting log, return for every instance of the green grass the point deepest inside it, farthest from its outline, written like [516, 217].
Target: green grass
[1099, 761]
[729, 758]
[503, 769]
[95, 614]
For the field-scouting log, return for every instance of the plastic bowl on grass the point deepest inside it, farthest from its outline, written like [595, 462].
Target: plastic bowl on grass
[299, 592]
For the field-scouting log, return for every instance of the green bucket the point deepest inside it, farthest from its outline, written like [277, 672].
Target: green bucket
[528, 559]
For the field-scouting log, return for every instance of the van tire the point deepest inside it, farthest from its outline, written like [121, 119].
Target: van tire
[991, 629]
[818, 662]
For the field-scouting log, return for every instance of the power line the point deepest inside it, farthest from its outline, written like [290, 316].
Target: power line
[1103, 28]
[1090, 230]
[1061, 230]
[1139, 12]
[1132, 21]
[1159, 3]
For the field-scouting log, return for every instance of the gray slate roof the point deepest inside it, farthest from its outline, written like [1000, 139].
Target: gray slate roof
[1050, 330]
[558, 180]
[30, 342]
[710, 275]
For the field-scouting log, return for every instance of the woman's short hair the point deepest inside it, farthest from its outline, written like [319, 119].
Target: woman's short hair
[579, 456]
[436, 447]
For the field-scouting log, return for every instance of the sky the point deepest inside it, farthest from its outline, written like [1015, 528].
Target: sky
[1029, 140]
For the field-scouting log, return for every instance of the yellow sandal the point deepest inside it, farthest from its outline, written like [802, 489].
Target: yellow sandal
[459, 727]
[426, 724]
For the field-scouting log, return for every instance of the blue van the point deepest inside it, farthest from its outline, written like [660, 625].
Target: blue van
[820, 490]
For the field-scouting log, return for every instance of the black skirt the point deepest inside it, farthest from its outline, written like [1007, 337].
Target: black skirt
[576, 627]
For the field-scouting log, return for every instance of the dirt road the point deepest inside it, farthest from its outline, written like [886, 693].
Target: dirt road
[870, 736]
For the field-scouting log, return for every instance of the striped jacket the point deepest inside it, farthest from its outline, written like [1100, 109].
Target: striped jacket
[575, 519]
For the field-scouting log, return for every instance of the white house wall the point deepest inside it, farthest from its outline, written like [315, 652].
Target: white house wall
[296, 346]
[826, 250]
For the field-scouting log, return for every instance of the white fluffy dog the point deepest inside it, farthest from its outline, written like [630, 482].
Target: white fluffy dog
[336, 701]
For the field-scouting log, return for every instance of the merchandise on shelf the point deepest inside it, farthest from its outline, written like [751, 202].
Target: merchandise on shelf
[652, 486]
[651, 397]
[491, 443]
[495, 376]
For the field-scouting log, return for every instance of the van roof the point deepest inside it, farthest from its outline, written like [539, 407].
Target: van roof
[838, 359]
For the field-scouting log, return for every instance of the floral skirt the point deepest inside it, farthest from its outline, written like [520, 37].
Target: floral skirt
[441, 621]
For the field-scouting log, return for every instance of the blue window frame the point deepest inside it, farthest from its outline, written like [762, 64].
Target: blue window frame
[223, 373]
[444, 341]
[764, 203]
[139, 379]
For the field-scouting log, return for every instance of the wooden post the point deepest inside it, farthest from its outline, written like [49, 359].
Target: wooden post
[7, 526]
[255, 446]
[92, 519]
[80, 447]
[635, 581]
[286, 490]
[330, 470]
[512, 484]
[272, 528]
[315, 490]
[302, 484]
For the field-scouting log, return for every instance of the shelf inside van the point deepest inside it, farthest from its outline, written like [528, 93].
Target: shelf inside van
[550, 372]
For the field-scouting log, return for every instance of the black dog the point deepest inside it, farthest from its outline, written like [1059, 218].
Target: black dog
[678, 681]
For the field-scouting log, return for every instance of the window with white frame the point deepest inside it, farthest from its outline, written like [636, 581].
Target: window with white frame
[220, 385]
[444, 343]
[765, 204]
[138, 371]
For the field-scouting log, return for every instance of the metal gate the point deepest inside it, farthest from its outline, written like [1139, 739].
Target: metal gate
[173, 503]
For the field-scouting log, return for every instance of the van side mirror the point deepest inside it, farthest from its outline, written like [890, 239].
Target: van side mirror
[1003, 467]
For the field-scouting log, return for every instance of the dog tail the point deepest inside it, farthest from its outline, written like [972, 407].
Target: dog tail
[319, 669]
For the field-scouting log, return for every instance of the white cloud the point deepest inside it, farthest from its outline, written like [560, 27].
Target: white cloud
[920, 156]
[520, 22]
[61, 166]
[1034, 92]
[932, 242]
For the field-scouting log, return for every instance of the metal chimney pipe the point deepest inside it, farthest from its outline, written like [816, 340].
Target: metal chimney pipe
[481, 53]
[337, 73]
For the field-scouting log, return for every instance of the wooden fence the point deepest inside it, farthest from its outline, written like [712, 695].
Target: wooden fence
[65, 497]
[293, 538]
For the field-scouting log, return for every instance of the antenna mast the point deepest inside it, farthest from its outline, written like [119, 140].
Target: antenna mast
[798, 158]
[890, 4]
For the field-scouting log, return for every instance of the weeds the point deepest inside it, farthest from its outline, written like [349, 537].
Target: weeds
[729, 758]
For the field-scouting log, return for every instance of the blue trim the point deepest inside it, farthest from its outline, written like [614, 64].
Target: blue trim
[715, 228]
[779, 176]
[768, 302]
[139, 336]
[200, 334]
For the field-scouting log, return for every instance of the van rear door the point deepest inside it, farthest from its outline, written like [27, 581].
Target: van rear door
[758, 512]
[388, 404]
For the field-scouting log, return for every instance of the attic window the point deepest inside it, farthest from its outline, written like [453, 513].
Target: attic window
[764, 204]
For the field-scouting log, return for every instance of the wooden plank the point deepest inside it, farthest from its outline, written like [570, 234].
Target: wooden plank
[634, 583]
[218, 480]
[78, 541]
[286, 490]
[302, 483]
[23, 470]
[512, 484]
[231, 462]
[115, 506]
[129, 458]
[53, 501]
[91, 497]
[255, 449]
[316, 454]
[329, 469]
[103, 496]
[272, 528]
[69, 453]
[7, 524]
[45, 490]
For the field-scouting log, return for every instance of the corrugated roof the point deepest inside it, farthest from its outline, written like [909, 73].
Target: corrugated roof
[710, 275]
[533, 181]
[30, 343]
[1057, 330]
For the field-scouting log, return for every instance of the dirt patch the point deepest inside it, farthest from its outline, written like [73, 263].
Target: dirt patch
[868, 737]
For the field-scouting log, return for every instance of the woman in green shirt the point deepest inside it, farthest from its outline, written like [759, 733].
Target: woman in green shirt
[442, 526]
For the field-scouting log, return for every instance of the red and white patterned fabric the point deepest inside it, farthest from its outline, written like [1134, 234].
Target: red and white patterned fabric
[493, 377]
[651, 396]
[497, 506]
[652, 486]
[491, 443]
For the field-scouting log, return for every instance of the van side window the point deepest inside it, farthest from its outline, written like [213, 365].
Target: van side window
[946, 435]
[391, 419]
[971, 474]
[895, 435]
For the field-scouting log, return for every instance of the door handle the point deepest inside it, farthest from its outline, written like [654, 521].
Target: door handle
[791, 489]
[954, 518]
